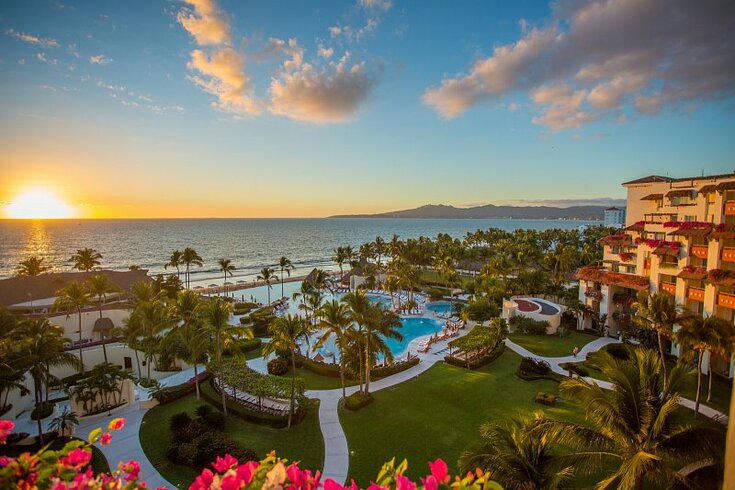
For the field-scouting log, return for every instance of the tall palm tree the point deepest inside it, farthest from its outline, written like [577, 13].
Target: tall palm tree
[85, 259]
[634, 426]
[73, 298]
[147, 320]
[339, 257]
[335, 320]
[285, 335]
[381, 325]
[186, 313]
[176, 260]
[358, 306]
[32, 266]
[722, 346]
[286, 266]
[44, 345]
[521, 454]
[216, 326]
[190, 257]
[657, 312]
[226, 267]
[100, 286]
[267, 275]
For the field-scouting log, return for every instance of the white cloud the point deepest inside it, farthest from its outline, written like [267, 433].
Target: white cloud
[100, 59]
[325, 53]
[384, 5]
[606, 55]
[49, 61]
[31, 39]
[206, 22]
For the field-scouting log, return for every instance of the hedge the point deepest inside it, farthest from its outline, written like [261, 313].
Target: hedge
[477, 362]
[532, 369]
[173, 393]
[382, 372]
[575, 368]
[358, 400]
[332, 370]
[528, 326]
[246, 345]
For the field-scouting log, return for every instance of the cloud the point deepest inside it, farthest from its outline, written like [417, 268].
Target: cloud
[206, 22]
[100, 59]
[603, 57]
[49, 61]
[325, 53]
[329, 95]
[562, 203]
[31, 39]
[132, 99]
[384, 5]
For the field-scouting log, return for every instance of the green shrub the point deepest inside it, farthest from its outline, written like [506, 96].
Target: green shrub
[277, 367]
[358, 400]
[46, 409]
[391, 369]
[211, 395]
[435, 293]
[528, 326]
[244, 320]
[179, 421]
[172, 393]
[575, 368]
[477, 362]
[545, 399]
[215, 420]
[203, 410]
[245, 345]
[534, 366]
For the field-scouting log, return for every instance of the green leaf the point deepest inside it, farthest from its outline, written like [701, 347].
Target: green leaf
[95, 435]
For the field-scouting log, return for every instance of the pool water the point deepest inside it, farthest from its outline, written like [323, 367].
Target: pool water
[439, 306]
[384, 301]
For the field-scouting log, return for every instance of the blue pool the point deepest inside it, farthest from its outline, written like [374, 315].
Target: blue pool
[385, 301]
[413, 328]
[439, 306]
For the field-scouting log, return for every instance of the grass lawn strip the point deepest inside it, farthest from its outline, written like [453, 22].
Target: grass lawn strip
[552, 345]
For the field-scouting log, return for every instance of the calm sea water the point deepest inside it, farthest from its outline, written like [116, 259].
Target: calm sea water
[250, 243]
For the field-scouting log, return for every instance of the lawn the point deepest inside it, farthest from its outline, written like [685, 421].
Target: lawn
[302, 442]
[433, 276]
[316, 381]
[438, 415]
[552, 345]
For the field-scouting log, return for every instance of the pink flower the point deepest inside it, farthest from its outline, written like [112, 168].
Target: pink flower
[6, 426]
[116, 424]
[132, 468]
[430, 483]
[224, 464]
[203, 481]
[439, 470]
[77, 458]
[5, 461]
[106, 439]
[246, 471]
[302, 479]
[230, 482]
[403, 483]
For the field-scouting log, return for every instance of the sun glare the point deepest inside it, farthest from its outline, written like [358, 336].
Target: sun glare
[38, 204]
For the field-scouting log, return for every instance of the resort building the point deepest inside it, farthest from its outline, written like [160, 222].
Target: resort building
[534, 308]
[614, 217]
[679, 238]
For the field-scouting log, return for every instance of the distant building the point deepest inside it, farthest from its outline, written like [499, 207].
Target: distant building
[615, 217]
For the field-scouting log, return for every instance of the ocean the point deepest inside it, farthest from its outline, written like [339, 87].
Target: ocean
[251, 243]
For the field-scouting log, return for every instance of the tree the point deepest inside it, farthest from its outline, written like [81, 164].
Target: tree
[100, 286]
[381, 324]
[85, 259]
[634, 426]
[480, 310]
[44, 344]
[659, 313]
[521, 454]
[176, 260]
[286, 266]
[73, 297]
[147, 320]
[226, 267]
[32, 266]
[190, 257]
[285, 335]
[340, 257]
[359, 311]
[185, 310]
[335, 320]
[67, 420]
[267, 275]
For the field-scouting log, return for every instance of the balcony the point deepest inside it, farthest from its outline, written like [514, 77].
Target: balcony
[699, 251]
[729, 208]
[728, 254]
[695, 294]
[668, 287]
[727, 300]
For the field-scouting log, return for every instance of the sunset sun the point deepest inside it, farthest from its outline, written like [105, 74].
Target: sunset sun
[38, 204]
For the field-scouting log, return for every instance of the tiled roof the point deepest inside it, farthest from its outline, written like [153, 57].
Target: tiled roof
[604, 276]
[652, 197]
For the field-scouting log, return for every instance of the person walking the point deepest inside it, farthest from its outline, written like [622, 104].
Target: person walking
[575, 351]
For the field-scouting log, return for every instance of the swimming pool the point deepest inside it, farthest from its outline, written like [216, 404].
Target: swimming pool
[384, 301]
[439, 306]
[413, 328]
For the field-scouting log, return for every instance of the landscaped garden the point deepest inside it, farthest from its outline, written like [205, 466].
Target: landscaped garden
[552, 345]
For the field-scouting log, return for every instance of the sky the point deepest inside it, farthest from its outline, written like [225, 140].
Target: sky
[250, 108]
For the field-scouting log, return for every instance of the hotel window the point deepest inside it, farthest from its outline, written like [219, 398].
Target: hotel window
[690, 217]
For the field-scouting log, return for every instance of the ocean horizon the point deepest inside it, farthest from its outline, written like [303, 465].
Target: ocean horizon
[251, 243]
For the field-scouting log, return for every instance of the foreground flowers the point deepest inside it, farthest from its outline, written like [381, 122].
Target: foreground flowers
[68, 469]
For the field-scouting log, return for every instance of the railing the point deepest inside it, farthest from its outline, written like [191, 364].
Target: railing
[727, 300]
[728, 254]
[729, 208]
[699, 251]
[695, 294]
[668, 287]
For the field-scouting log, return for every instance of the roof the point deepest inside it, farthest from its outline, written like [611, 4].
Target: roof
[637, 226]
[700, 231]
[660, 178]
[726, 186]
[649, 180]
[652, 197]
[695, 273]
[664, 251]
[724, 230]
[21, 289]
[604, 276]
[103, 324]
[679, 193]
[708, 188]
[612, 209]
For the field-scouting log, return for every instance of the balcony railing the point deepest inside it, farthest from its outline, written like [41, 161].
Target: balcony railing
[727, 300]
[695, 294]
[668, 287]
[699, 251]
[730, 208]
[728, 254]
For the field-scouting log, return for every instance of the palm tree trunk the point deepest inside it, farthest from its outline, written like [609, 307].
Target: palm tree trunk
[137, 361]
[342, 373]
[196, 379]
[81, 358]
[359, 363]
[663, 357]
[699, 383]
[367, 368]
[37, 395]
[219, 366]
[293, 386]
[282, 296]
[709, 376]
[102, 333]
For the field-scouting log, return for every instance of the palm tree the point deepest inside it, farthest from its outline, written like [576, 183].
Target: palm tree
[85, 259]
[339, 258]
[70, 298]
[267, 275]
[381, 325]
[100, 286]
[657, 312]
[358, 306]
[216, 326]
[147, 320]
[635, 426]
[335, 320]
[176, 260]
[721, 345]
[32, 266]
[285, 335]
[185, 311]
[190, 257]
[286, 266]
[521, 454]
[44, 345]
[226, 267]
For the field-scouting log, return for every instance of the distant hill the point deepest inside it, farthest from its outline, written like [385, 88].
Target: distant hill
[490, 211]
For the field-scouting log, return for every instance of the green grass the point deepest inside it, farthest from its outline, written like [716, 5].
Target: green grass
[316, 381]
[438, 415]
[552, 345]
[434, 277]
[98, 462]
[302, 442]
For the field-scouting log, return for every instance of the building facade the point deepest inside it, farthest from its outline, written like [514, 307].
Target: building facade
[679, 238]
[614, 217]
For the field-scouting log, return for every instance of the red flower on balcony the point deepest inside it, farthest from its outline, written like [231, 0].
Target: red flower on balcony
[625, 256]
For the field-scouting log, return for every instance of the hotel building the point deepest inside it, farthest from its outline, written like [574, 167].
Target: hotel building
[679, 238]
[614, 217]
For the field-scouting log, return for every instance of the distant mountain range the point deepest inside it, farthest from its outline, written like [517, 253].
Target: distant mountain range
[490, 211]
